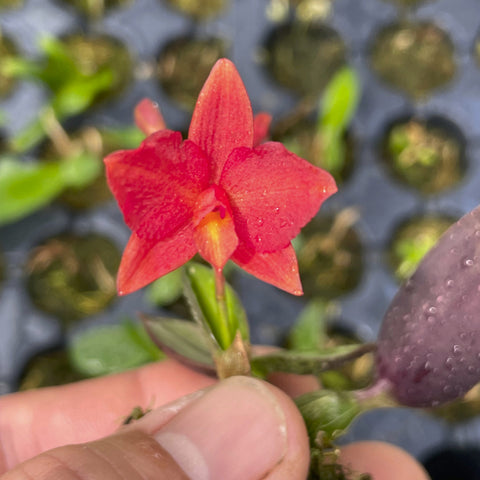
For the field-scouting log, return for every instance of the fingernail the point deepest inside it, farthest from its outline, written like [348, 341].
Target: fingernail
[235, 431]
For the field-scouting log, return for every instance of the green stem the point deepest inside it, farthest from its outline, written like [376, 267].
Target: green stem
[233, 359]
[224, 336]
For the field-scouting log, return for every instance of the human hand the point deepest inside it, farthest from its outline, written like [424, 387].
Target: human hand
[240, 428]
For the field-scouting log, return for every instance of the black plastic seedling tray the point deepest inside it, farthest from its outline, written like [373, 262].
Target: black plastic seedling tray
[383, 202]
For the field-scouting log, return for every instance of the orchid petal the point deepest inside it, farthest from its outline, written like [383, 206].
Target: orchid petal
[144, 261]
[273, 193]
[261, 125]
[156, 185]
[148, 117]
[216, 239]
[279, 268]
[222, 119]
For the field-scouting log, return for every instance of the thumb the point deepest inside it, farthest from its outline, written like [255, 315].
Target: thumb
[241, 429]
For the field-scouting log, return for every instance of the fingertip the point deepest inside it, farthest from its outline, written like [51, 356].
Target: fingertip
[296, 461]
[382, 461]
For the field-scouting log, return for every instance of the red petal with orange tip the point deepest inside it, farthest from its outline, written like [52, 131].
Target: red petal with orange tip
[144, 261]
[222, 119]
[157, 185]
[278, 268]
[148, 117]
[273, 193]
[216, 239]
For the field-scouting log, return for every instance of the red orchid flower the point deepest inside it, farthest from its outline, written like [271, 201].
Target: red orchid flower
[214, 193]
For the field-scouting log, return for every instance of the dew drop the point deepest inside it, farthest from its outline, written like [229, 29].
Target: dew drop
[467, 262]
[450, 283]
[447, 389]
[431, 319]
[277, 209]
[260, 222]
[432, 310]
[449, 363]
[457, 349]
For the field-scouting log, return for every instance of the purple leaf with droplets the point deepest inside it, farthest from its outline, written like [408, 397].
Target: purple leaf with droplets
[429, 343]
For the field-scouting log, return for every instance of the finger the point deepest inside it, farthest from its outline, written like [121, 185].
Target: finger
[240, 429]
[34, 421]
[294, 385]
[382, 461]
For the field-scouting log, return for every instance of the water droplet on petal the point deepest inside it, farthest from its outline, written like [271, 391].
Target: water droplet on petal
[450, 283]
[457, 349]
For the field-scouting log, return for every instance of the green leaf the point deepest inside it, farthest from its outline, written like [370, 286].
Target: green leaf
[59, 67]
[200, 292]
[327, 414]
[80, 170]
[27, 138]
[111, 349]
[303, 363]
[76, 96]
[26, 187]
[309, 331]
[340, 100]
[19, 67]
[185, 341]
[127, 137]
[333, 146]
[166, 289]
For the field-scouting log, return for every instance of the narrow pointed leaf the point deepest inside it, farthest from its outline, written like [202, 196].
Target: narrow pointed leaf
[309, 332]
[340, 100]
[308, 362]
[200, 291]
[183, 340]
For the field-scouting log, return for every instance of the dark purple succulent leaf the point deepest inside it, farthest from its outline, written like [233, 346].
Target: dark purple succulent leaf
[429, 343]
